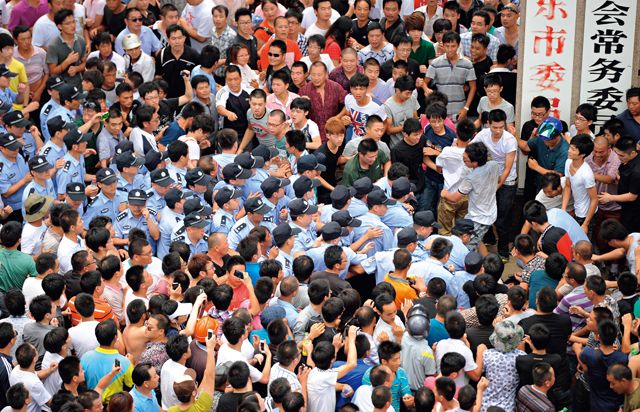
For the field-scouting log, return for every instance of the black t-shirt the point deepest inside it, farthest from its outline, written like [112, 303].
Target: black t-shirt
[411, 156]
[479, 335]
[229, 402]
[525, 364]
[331, 163]
[169, 68]
[114, 22]
[481, 68]
[167, 110]
[336, 284]
[387, 69]
[5, 370]
[630, 183]
[359, 34]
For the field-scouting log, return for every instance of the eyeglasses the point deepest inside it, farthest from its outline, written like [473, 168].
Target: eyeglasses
[136, 19]
[538, 115]
[274, 54]
[273, 124]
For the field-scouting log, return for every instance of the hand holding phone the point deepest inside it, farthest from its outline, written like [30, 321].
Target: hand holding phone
[116, 363]
[239, 274]
[209, 334]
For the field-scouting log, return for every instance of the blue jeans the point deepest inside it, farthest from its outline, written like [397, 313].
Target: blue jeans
[504, 199]
[430, 197]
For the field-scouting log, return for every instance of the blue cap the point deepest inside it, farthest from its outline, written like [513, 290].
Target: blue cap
[550, 128]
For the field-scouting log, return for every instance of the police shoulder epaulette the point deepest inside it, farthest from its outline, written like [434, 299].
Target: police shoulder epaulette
[240, 227]
[1, 166]
[31, 191]
[205, 237]
[153, 212]
[122, 215]
[223, 220]
[46, 151]
[179, 239]
[180, 231]
[67, 166]
[122, 189]
[47, 110]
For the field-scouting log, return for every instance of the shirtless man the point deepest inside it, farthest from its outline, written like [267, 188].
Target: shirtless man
[133, 335]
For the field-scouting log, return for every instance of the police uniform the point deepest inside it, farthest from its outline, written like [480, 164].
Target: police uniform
[34, 188]
[286, 261]
[431, 268]
[126, 221]
[101, 205]
[272, 219]
[254, 182]
[397, 217]
[381, 243]
[305, 239]
[178, 175]
[155, 202]
[458, 252]
[357, 207]
[29, 149]
[140, 181]
[222, 222]
[168, 221]
[10, 174]
[66, 114]
[219, 185]
[72, 171]
[201, 247]
[239, 231]
[45, 114]
[381, 263]
[317, 255]
[53, 152]
[326, 212]
[161, 178]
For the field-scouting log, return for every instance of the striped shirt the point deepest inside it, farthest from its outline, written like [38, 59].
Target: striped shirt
[576, 297]
[530, 399]
[278, 371]
[451, 79]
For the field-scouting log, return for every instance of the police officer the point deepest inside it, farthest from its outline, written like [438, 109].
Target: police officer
[358, 206]
[284, 238]
[121, 147]
[178, 153]
[331, 234]
[73, 169]
[129, 176]
[251, 163]
[302, 213]
[234, 175]
[345, 220]
[154, 160]
[460, 236]
[14, 174]
[266, 153]
[255, 208]
[305, 188]
[192, 205]
[69, 103]
[160, 184]
[75, 196]
[137, 216]
[16, 124]
[381, 263]
[228, 204]
[193, 234]
[171, 216]
[308, 166]
[108, 201]
[340, 200]
[198, 182]
[377, 202]
[41, 183]
[273, 190]
[53, 87]
[397, 216]
[424, 222]
[55, 149]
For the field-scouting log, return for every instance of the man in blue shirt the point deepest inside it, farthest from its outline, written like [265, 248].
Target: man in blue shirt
[146, 380]
[53, 86]
[631, 116]
[108, 201]
[14, 173]
[377, 203]
[73, 169]
[171, 216]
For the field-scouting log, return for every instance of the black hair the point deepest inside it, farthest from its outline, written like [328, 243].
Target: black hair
[547, 299]
[455, 325]
[477, 153]
[555, 265]
[451, 362]
[238, 374]
[487, 308]
[177, 346]
[332, 309]
[40, 306]
[85, 304]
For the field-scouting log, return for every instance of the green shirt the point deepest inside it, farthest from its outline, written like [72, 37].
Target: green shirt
[15, 267]
[423, 53]
[202, 404]
[353, 171]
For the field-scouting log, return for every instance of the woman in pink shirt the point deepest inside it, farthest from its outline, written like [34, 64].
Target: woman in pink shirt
[27, 12]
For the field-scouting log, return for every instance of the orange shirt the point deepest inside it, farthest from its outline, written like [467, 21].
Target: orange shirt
[264, 35]
[332, 48]
[293, 54]
[103, 311]
[402, 287]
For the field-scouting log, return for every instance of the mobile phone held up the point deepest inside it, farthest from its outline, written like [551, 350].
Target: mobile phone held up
[116, 363]
[209, 334]
[239, 274]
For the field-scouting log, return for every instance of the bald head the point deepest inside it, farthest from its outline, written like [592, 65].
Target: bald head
[289, 286]
[584, 250]
[215, 240]
[601, 141]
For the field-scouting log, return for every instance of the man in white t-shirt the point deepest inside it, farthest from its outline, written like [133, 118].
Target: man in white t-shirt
[36, 208]
[83, 336]
[456, 326]
[72, 225]
[198, 15]
[179, 352]
[322, 11]
[379, 375]
[235, 332]
[551, 193]
[580, 183]
[25, 373]
[503, 148]
[358, 105]
[389, 326]
[46, 264]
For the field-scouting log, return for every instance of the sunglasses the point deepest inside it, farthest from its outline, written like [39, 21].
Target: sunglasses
[274, 54]
[136, 19]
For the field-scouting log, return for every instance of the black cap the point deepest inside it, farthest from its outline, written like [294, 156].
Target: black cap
[76, 191]
[265, 152]
[271, 185]
[473, 260]
[193, 204]
[68, 92]
[9, 141]
[309, 162]
[283, 231]
[137, 197]
[127, 159]
[55, 82]
[5, 106]
[16, 119]
[406, 236]
[75, 136]
[464, 226]
[249, 161]
[235, 171]
[173, 196]
[225, 194]
[333, 230]
[401, 187]
[303, 185]
[39, 164]
[106, 176]
[57, 123]
[299, 207]
[345, 219]
[162, 178]
[425, 218]
[363, 186]
[5, 72]
[195, 220]
[153, 158]
[378, 197]
[341, 195]
[124, 146]
[257, 205]
[197, 176]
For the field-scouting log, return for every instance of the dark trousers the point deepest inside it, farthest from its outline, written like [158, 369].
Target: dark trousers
[430, 197]
[505, 197]
[581, 397]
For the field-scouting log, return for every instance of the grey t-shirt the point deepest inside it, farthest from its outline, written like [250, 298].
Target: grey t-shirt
[417, 360]
[481, 186]
[398, 113]
[483, 106]
[34, 333]
[351, 149]
[260, 128]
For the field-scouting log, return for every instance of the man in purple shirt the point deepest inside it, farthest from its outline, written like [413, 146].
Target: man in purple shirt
[575, 275]
[27, 12]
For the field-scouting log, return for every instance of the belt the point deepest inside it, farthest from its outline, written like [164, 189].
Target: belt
[510, 183]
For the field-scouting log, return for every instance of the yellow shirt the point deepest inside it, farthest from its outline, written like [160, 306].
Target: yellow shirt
[18, 68]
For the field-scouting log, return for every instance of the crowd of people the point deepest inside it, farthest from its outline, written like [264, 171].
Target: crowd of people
[306, 205]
